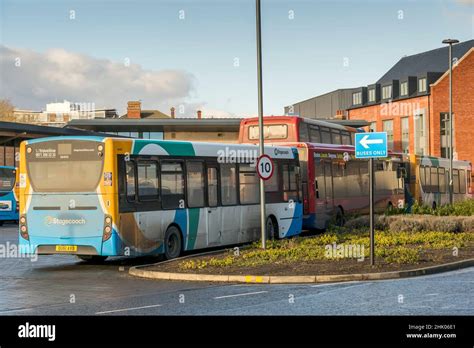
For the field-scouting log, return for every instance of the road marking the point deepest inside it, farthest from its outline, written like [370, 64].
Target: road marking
[244, 294]
[339, 283]
[128, 309]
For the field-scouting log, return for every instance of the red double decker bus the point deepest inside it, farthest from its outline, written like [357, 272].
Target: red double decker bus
[281, 129]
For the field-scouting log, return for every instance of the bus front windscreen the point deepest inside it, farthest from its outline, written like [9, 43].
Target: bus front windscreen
[7, 179]
[65, 166]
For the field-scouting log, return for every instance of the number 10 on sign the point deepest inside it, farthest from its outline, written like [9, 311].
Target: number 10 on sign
[265, 167]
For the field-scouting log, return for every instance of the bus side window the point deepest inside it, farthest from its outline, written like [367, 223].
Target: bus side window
[290, 186]
[195, 184]
[249, 184]
[336, 136]
[346, 138]
[147, 180]
[455, 181]
[228, 184]
[314, 134]
[172, 185]
[325, 135]
[212, 186]
[462, 181]
[130, 180]
[303, 130]
[434, 179]
[442, 180]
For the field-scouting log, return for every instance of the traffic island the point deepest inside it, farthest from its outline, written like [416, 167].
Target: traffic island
[330, 257]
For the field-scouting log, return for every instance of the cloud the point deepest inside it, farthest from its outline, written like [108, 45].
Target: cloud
[58, 74]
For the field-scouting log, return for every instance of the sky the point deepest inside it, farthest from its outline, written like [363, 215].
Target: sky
[201, 54]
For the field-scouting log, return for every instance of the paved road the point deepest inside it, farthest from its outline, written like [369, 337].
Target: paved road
[57, 285]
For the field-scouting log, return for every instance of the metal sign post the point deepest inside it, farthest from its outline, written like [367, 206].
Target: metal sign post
[260, 123]
[371, 145]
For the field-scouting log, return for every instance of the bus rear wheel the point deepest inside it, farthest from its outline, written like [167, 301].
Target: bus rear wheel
[92, 258]
[340, 221]
[173, 243]
[271, 227]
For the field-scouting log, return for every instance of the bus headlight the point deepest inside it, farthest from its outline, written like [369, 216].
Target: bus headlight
[23, 220]
[23, 229]
[107, 228]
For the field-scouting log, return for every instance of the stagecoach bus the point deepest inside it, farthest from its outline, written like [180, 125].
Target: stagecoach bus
[335, 183]
[429, 180]
[8, 194]
[284, 129]
[96, 197]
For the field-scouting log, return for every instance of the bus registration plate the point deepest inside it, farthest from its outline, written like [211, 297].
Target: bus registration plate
[66, 247]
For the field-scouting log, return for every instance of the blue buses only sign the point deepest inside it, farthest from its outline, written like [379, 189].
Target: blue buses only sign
[371, 145]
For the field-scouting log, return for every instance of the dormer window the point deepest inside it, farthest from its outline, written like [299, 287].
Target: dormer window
[404, 89]
[422, 85]
[387, 92]
[357, 98]
[371, 95]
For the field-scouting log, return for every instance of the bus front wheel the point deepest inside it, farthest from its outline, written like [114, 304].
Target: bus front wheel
[173, 243]
[92, 258]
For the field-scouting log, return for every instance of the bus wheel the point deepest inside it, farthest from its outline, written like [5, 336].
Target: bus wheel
[173, 244]
[389, 207]
[339, 217]
[433, 205]
[271, 228]
[93, 259]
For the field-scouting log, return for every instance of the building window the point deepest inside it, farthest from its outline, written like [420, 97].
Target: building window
[387, 92]
[405, 135]
[404, 88]
[357, 98]
[422, 85]
[444, 134]
[372, 95]
[388, 127]
[419, 134]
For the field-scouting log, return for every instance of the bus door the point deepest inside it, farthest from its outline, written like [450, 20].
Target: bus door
[329, 199]
[213, 212]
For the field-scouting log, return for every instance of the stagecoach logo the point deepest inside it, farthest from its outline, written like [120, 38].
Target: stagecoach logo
[49, 220]
[281, 152]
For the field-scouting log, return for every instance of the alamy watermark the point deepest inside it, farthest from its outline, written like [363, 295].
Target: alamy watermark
[345, 251]
[14, 251]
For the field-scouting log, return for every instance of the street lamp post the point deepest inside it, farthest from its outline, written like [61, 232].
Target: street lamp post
[260, 122]
[450, 42]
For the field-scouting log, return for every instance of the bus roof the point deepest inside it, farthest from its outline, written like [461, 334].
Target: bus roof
[296, 119]
[199, 148]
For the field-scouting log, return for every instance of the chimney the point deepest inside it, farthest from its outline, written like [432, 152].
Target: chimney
[172, 112]
[134, 109]
[199, 113]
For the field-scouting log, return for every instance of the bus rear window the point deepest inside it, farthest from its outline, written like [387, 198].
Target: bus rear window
[274, 131]
[7, 179]
[65, 166]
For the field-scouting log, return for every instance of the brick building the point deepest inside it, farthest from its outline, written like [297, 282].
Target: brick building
[411, 103]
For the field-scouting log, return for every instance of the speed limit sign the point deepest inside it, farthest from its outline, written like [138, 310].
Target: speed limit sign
[265, 167]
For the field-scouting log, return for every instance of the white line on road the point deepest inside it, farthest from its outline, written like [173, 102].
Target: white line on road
[128, 309]
[244, 294]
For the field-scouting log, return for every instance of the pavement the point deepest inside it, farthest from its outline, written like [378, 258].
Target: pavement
[63, 285]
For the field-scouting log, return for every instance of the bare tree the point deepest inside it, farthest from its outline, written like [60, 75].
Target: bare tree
[6, 111]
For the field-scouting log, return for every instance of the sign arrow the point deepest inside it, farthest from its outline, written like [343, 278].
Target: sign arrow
[365, 142]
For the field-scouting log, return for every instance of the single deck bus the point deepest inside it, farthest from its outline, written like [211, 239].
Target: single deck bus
[429, 180]
[335, 183]
[8, 194]
[96, 197]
